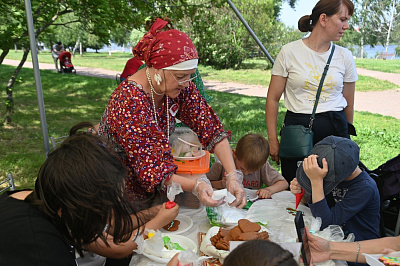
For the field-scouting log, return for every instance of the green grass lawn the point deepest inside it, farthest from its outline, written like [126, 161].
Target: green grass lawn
[252, 72]
[70, 99]
[389, 66]
[115, 62]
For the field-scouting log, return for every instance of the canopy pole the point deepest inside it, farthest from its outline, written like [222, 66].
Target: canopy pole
[250, 31]
[36, 72]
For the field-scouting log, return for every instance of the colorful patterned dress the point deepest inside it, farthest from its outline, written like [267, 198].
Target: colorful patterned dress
[142, 143]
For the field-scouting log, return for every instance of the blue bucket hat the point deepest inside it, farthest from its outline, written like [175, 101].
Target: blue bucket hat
[342, 156]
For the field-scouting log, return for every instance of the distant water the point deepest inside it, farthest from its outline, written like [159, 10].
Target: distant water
[372, 52]
[369, 51]
[114, 48]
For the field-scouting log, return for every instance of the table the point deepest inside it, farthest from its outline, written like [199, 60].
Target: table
[272, 211]
[200, 224]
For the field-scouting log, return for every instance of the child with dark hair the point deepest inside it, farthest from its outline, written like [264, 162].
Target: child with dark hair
[260, 252]
[250, 157]
[78, 203]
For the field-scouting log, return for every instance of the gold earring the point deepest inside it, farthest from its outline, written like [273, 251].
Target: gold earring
[158, 79]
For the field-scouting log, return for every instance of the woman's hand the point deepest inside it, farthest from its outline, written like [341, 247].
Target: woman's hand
[274, 150]
[234, 184]
[295, 187]
[275, 91]
[388, 250]
[203, 191]
[319, 247]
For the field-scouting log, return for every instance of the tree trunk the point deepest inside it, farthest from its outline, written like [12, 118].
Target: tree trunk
[3, 55]
[10, 84]
[390, 26]
[362, 46]
[76, 46]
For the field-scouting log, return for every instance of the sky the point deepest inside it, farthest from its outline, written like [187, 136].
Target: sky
[291, 16]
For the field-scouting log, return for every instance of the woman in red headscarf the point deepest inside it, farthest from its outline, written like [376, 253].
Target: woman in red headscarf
[140, 116]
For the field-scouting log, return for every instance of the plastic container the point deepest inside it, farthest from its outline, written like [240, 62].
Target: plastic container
[185, 144]
[192, 169]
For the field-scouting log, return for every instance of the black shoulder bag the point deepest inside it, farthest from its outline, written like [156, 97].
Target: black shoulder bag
[297, 140]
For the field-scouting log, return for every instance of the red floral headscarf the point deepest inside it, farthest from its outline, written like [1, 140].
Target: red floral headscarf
[160, 49]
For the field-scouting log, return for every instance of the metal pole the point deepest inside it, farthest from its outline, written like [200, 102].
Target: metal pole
[35, 62]
[250, 31]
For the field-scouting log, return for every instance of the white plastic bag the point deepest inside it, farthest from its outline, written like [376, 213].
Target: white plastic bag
[188, 257]
[173, 190]
[185, 144]
[152, 246]
[225, 215]
[330, 233]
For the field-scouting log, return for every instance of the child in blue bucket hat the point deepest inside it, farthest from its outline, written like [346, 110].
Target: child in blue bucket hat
[333, 166]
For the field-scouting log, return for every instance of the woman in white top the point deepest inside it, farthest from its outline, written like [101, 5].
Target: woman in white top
[297, 72]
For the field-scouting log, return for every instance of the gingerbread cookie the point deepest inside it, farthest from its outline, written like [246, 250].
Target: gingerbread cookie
[249, 232]
[392, 261]
[247, 226]
[235, 232]
[172, 226]
[248, 236]
[222, 244]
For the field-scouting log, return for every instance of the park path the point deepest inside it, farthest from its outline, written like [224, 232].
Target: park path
[379, 102]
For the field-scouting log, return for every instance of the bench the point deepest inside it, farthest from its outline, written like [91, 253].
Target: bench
[385, 56]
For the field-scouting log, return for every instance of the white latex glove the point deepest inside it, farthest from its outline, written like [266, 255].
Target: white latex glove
[203, 191]
[234, 184]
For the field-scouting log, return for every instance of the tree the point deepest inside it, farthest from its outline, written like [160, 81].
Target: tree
[374, 22]
[95, 17]
[120, 35]
[220, 37]
[223, 41]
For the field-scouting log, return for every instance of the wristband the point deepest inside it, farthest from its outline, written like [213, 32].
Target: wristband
[358, 251]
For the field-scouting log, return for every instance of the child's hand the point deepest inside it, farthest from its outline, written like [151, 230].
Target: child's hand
[165, 216]
[312, 169]
[223, 181]
[295, 187]
[174, 261]
[150, 213]
[264, 193]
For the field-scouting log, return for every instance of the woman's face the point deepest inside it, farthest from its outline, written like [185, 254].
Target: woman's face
[176, 80]
[337, 24]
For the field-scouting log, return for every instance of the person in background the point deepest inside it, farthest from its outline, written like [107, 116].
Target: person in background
[333, 166]
[78, 204]
[297, 72]
[58, 48]
[323, 250]
[131, 66]
[140, 117]
[251, 157]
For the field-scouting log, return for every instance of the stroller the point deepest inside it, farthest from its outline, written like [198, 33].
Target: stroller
[65, 63]
[387, 178]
